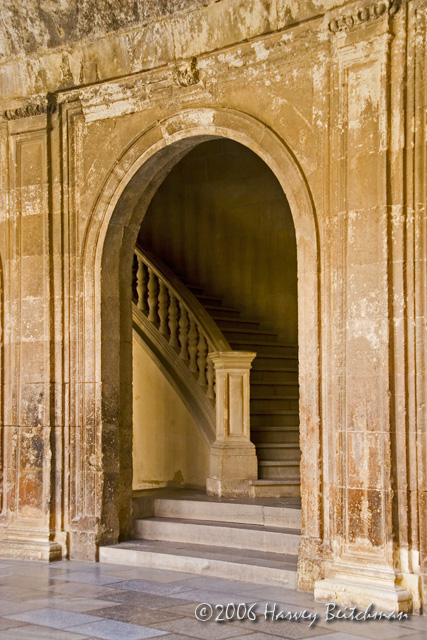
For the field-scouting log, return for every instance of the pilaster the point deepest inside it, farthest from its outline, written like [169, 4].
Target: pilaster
[28, 437]
[233, 459]
[362, 569]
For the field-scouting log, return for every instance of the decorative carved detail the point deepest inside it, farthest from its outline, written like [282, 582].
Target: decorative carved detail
[368, 13]
[187, 75]
[35, 109]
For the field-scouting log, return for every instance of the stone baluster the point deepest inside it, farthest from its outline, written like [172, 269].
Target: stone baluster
[202, 349]
[163, 309]
[183, 332]
[173, 321]
[152, 297]
[192, 345]
[141, 286]
[210, 376]
[233, 461]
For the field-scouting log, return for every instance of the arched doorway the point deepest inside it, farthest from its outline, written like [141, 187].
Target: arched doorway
[221, 222]
[110, 241]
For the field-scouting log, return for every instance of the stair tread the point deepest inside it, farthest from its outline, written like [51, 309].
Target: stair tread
[273, 397]
[228, 554]
[275, 481]
[278, 463]
[240, 320]
[278, 445]
[263, 383]
[220, 307]
[224, 525]
[267, 427]
[266, 344]
[285, 412]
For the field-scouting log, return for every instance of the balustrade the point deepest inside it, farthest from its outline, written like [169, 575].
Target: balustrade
[159, 301]
[223, 374]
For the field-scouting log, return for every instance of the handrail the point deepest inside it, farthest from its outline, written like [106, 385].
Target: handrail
[179, 317]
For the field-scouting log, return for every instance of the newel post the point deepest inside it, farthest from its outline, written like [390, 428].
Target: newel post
[233, 460]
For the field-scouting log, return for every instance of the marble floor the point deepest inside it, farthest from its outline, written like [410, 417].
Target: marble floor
[80, 601]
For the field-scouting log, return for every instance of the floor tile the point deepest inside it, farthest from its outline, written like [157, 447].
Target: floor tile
[151, 587]
[9, 624]
[55, 618]
[87, 577]
[153, 575]
[114, 630]
[35, 632]
[135, 614]
[204, 630]
[143, 599]
[80, 605]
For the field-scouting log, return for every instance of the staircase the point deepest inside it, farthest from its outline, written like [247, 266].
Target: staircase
[274, 398]
[250, 540]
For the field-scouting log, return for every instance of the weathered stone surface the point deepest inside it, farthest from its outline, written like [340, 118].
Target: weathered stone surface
[99, 100]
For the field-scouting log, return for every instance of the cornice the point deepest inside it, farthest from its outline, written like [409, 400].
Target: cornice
[44, 107]
[364, 14]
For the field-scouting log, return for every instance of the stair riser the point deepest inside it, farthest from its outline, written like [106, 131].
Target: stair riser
[253, 336]
[226, 326]
[275, 420]
[260, 363]
[264, 541]
[218, 312]
[279, 390]
[200, 566]
[275, 377]
[209, 301]
[280, 453]
[282, 472]
[228, 512]
[275, 491]
[272, 405]
[273, 349]
[275, 437]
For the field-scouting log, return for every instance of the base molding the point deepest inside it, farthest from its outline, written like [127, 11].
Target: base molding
[350, 586]
[227, 488]
[31, 549]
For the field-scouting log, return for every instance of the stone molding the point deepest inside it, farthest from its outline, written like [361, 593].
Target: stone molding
[187, 75]
[365, 14]
[46, 107]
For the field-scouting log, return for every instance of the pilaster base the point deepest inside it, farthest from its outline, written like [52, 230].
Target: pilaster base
[231, 468]
[352, 586]
[227, 488]
[31, 549]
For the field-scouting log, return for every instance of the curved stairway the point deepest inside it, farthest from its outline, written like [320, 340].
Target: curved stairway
[274, 397]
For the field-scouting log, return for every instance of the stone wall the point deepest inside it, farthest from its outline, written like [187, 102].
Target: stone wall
[221, 219]
[331, 95]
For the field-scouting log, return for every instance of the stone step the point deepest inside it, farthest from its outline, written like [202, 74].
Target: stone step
[235, 324]
[273, 362]
[267, 434]
[222, 312]
[276, 376]
[237, 512]
[261, 389]
[210, 301]
[274, 488]
[279, 451]
[273, 404]
[250, 337]
[235, 564]
[278, 469]
[263, 348]
[277, 419]
[212, 533]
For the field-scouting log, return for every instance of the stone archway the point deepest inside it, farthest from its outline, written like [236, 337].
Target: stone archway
[108, 255]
